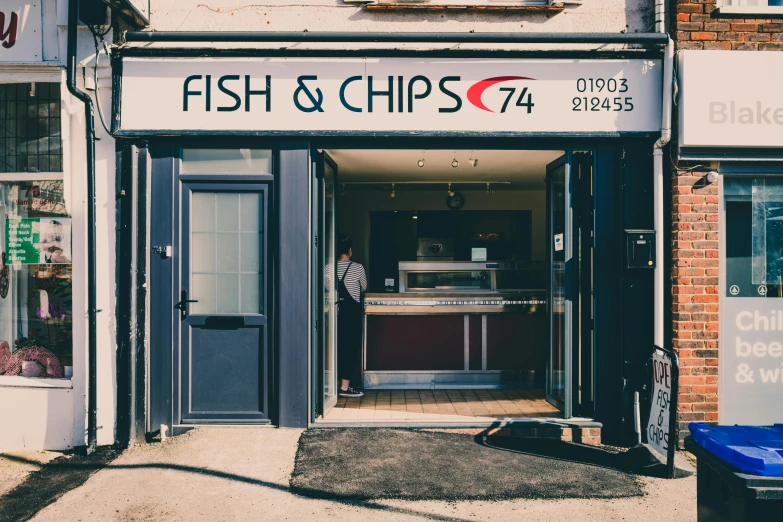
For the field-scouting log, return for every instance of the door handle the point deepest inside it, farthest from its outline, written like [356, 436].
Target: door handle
[183, 307]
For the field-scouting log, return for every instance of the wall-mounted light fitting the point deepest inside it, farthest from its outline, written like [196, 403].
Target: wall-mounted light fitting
[712, 176]
[489, 189]
[454, 162]
[393, 194]
[420, 163]
[451, 192]
[473, 161]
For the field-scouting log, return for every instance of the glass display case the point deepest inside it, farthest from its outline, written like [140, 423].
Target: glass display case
[458, 276]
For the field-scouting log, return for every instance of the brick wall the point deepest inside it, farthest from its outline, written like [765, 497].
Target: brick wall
[695, 295]
[699, 26]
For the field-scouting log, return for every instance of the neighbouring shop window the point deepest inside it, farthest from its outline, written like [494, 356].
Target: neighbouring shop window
[754, 237]
[226, 161]
[35, 280]
[30, 138]
[753, 3]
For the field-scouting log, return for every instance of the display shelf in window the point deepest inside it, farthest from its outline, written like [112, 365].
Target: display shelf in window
[36, 304]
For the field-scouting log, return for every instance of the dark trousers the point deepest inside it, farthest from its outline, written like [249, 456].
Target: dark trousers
[349, 339]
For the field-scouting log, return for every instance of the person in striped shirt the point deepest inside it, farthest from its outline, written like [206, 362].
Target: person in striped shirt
[352, 283]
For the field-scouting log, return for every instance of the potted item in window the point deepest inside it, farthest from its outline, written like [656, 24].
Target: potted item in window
[28, 351]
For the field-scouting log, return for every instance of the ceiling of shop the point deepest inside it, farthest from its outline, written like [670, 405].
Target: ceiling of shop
[525, 169]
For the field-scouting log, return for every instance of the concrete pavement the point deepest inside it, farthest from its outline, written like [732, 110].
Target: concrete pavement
[243, 474]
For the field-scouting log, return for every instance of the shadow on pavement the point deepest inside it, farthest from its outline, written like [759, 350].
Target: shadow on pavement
[50, 482]
[53, 480]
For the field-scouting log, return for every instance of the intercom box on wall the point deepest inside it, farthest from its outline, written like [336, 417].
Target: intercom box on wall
[640, 248]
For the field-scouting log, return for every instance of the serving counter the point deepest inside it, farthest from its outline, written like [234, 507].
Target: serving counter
[456, 334]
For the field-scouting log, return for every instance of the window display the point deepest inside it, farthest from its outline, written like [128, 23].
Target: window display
[35, 280]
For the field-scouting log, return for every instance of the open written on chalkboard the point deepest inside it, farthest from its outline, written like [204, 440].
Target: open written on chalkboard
[658, 424]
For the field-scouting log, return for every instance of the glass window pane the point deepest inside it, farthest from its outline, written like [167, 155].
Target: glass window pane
[35, 280]
[227, 252]
[202, 252]
[203, 290]
[227, 294]
[227, 212]
[251, 293]
[30, 127]
[226, 264]
[226, 161]
[203, 212]
[249, 212]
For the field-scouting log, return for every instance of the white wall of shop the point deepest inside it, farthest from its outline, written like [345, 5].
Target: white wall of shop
[48, 413]
[336, 15]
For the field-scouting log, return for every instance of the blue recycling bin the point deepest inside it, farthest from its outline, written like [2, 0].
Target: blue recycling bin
[739, 472]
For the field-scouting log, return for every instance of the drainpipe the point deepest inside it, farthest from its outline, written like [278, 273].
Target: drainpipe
[666, 135]
[89, 126]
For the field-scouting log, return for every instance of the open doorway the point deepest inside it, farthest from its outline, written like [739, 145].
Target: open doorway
[473, 259]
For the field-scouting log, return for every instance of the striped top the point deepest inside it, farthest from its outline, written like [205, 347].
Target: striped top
[355, 280]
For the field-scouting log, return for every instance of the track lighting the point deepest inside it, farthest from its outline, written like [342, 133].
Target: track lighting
[451, 192]
[393, 194]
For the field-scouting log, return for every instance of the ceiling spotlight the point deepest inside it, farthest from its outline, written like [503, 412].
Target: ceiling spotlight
[393, 194]
[489, 189]
[451, 192]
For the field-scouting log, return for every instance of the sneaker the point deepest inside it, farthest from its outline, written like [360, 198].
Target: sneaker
[350, 392]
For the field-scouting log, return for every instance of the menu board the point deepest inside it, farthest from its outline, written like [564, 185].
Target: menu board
[34, 241]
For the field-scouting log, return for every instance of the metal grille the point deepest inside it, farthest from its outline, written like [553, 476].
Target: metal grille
[30, 138]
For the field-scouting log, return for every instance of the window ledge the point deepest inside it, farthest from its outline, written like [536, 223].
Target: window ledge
[17, 381]
[555, 7]
[765, 10]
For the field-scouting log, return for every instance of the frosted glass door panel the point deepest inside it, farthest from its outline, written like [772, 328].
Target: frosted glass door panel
[226, 254]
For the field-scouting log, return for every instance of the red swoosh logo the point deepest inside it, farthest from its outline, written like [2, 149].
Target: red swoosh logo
[477, 89]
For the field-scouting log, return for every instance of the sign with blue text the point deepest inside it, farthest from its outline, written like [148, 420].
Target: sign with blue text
[311, 95]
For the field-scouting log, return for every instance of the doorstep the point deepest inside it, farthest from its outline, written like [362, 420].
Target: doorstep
[579, 430]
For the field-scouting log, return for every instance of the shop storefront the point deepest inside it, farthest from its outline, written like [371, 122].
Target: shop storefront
[43, 327]
[502, 207]
[732, 132]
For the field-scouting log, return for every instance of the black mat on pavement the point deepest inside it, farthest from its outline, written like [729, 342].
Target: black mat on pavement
[370, 463]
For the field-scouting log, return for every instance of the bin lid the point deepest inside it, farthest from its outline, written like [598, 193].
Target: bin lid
[757, 450]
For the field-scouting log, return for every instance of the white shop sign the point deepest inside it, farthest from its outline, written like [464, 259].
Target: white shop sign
[751, 361]
[730, 99]
[391, 94]
[20, 31]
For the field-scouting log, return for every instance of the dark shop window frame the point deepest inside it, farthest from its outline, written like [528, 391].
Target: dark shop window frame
[31, 142]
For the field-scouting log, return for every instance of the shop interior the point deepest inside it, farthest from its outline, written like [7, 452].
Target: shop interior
[460, 270]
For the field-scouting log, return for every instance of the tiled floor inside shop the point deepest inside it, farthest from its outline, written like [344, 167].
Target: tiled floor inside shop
[464, 405]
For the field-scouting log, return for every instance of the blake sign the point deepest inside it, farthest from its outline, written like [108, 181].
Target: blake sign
[391, 94]
[20, 31]
[741, 108]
